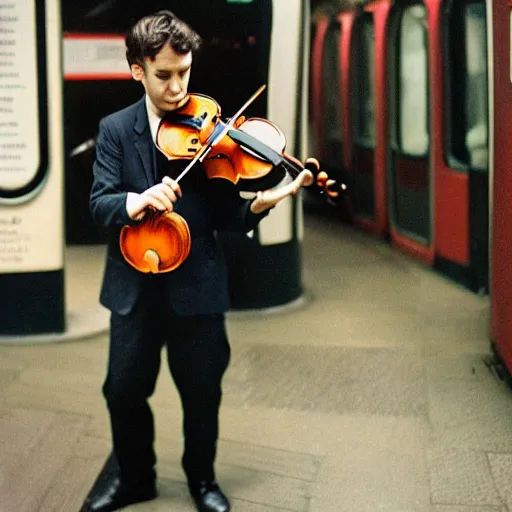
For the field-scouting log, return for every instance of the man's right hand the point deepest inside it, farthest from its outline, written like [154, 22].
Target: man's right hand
[160, 197]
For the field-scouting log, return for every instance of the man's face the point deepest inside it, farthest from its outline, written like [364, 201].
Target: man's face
[165, 78]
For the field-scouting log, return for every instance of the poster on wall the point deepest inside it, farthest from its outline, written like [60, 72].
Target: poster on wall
[95, 57]
[30, 182]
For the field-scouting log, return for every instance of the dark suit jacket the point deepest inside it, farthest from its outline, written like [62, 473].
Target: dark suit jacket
[126, 162]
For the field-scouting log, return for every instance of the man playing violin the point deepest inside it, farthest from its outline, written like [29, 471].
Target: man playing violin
[183, 309]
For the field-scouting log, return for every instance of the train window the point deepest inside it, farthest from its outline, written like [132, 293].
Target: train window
[476, 106]
[362, 105]
[413, 82]
[363, 82]
[331, 99]
[466, 87]
[409, 123]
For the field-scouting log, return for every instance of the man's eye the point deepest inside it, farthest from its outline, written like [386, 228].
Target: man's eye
[162, 77]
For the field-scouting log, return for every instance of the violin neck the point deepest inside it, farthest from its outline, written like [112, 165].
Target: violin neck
[292, 168]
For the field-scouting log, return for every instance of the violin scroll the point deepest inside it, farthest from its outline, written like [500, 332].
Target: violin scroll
[328, 186]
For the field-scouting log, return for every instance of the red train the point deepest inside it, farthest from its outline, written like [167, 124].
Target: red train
[413, 101]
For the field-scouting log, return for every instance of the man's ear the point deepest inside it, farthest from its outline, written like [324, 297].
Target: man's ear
[137, 72]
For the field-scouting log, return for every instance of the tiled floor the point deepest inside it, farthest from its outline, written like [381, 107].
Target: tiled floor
[372, 396]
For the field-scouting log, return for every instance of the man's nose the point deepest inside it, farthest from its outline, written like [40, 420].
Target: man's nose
[175, 85]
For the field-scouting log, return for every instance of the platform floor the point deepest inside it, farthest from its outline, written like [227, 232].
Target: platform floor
[372, 396]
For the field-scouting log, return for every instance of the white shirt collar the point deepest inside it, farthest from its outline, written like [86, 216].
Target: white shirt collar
[154, 119]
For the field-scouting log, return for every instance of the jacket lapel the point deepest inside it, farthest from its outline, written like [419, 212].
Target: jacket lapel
[144, 143]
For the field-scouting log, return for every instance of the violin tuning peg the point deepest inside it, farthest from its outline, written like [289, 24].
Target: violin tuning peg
[321, 180]
[312, 165]
[241, 120]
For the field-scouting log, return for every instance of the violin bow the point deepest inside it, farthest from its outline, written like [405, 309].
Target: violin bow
[215, 138]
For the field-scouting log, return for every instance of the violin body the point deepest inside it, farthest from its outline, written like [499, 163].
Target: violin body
[182, 133]
[160, 243]
[244, 160]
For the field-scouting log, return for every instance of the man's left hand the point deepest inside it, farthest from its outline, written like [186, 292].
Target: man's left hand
[267, 199]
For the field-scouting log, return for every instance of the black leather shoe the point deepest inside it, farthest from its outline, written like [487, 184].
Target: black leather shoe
[115, 496]
[209, 498]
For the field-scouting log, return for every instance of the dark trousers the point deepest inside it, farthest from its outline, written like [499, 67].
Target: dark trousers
[198, 354]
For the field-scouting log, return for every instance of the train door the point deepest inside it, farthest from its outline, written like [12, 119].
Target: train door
[363, 108]
[330, 107]
[409, 134]
[460, 143]
[370, 99]
[321, 24]
[501, 197]
[326, 104]
[330, 142]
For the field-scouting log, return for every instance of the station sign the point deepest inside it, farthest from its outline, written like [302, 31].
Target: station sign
[31, 183]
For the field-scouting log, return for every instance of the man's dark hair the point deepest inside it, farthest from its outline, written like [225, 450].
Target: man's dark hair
[151, 33]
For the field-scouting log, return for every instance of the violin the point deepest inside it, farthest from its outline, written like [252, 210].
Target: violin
[248, 152]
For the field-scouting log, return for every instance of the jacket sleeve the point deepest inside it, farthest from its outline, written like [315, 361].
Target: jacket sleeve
[107, 199]
[230, 211]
